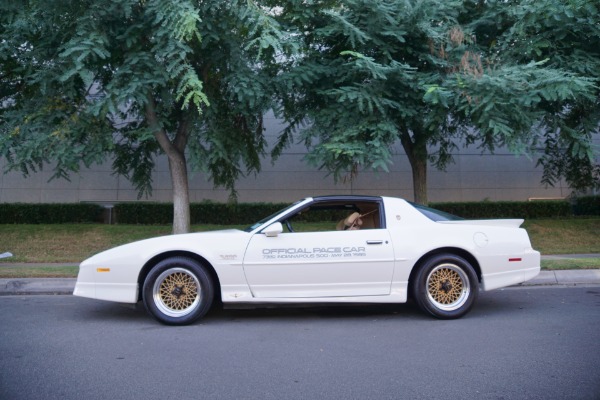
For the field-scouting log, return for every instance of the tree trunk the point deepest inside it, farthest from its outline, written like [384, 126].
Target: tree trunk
[175, 152]
[181, 194]
[416, 151]
[419, 174]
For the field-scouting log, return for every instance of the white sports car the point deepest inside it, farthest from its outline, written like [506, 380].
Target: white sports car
[327, 249]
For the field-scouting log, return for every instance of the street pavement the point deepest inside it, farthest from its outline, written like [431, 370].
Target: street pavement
[537, 343]
[64, 286]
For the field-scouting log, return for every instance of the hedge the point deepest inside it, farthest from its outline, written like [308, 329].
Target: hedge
[208, 212]
[507, 209]
[247, 213]
[200, 213]
[24, 213]
[587, 205]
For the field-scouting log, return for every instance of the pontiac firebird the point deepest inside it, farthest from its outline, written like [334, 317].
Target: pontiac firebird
[327, 249]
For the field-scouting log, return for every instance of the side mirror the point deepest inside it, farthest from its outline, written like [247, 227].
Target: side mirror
[273, 230]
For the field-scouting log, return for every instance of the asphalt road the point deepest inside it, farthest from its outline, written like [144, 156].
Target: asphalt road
[518, 343]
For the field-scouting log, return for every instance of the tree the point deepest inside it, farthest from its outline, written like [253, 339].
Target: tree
[563, 35]
[379, 72]
[128, 79]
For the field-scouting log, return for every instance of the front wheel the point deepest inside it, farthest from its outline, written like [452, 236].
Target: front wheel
[446, 286]
[178, 291]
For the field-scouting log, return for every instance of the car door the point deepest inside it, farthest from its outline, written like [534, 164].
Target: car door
[320, 264]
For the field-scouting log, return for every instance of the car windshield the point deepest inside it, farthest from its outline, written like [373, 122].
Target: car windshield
[435, 215]
[262, 221]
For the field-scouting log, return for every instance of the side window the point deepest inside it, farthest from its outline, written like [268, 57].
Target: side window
[335, 216]
[360, 220]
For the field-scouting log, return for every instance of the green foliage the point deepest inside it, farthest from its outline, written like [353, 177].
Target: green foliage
[94, 80]
[560, 40]
[354, 81]
[439, 75]
[83, 82]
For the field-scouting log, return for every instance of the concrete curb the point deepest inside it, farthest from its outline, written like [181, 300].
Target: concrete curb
[29, 286]
[566, 277]
[65, 286]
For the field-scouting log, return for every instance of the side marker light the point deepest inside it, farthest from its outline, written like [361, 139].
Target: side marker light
[515, 259]
[102, 269]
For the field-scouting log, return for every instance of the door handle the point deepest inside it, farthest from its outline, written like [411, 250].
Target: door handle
[374, 241]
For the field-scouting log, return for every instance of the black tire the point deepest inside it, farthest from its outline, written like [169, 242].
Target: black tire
[445, 286]
[178, 291]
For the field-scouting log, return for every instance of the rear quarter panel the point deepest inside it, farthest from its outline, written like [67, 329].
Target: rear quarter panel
[502, 250]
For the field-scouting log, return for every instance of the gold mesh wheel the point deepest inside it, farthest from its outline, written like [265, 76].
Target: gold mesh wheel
[448, 287]
[176, 292]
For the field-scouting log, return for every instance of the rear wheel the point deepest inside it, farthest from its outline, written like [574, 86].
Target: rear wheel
[446, 286]
[178, 291]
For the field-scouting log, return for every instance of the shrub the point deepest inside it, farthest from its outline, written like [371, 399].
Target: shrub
[208, 212]
[24, 213]
[143, 213]
[507, 209]
[587, 205]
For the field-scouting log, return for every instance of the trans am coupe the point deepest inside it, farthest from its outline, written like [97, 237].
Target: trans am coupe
[327, 249]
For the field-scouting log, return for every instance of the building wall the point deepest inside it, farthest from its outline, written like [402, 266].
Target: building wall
[473, 177]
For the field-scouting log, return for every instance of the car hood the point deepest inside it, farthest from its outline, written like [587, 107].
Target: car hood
[203, 243]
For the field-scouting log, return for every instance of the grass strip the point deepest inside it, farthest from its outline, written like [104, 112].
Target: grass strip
[38, 272]
[571, 263]
[564, 236]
